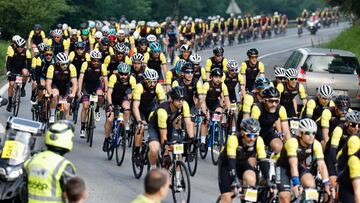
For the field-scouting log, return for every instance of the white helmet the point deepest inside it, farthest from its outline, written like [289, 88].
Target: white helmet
[136, 35]
[233, 66]
[279, 71]
[98, 34]
[291, 73]
[121, 32]
[151, 38]
[65, 26]
[185, 47]
[15, 37]
[120, 47]
[74, 32]
[151, 74]
[195, 58]
[137, 57]
[276, 13]
[57, 32]
[20, 42]
[95, 54]
[62, 58]
[325, 91]
[41, 46]
[105, 29]
[182, 22]
[132, 26]
[307, 124]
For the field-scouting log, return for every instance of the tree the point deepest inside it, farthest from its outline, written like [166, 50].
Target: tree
[19, 16]
[348, 6]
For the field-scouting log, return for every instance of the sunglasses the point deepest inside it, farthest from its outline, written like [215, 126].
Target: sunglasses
[123, 74]
[353, 125]
[343, 109]
[120, 53]
[309, 132]
[64, 64]
[57, 37]
[323, 98]
[81, 49]
[189, 72]
[253, 57]
[48, 54]
[276, 101]
[252, 135]
[292, 79]
[151, 82]
[96, 60]
[281, 78]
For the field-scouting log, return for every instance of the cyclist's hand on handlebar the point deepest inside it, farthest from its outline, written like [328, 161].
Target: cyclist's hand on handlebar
[296, 190]
[330, 190]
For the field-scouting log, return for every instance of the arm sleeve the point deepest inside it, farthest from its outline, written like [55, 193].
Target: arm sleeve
[50, 72]
[73, 73]
[199, 87]
[248, 102]
[280, 88]
[137, 92]
[112, 81]
[283, 114]
[353, 145]
[224, 63]
[175, 84]
[132, 82]
[163, 58]
[302, 92]
[84, 66]
[162, 118]
[168, 77]
[310, 106]
[260, 148]
[354, 169]
[325, 118]
[291, 147]
[205, 88]
[231, 146]
[160, 93]
[208, 65]
[224, 89]
[243, 68]
[146, 57]
[261, 68]
[71, 56]
[255, 112]
[318, 152]
[186, 110]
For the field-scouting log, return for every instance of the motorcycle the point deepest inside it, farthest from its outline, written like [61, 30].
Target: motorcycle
[312, 26]
[16, 147]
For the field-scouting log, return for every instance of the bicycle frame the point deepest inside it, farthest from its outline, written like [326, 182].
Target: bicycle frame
[118, 121]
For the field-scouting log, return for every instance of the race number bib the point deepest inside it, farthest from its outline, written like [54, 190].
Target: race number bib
[12, 150]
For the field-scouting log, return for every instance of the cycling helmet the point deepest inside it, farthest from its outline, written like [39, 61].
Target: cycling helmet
[65, 26]
[151, 74]
[218, 50]
[98, 34]
[120, 48]
[57, 32]
[105, 29]
[177, 92]
[291, 73]
[137, 57]
[91, 24]
[342, 101]
[105, 41]
[185, 47]
[155, 47]
[216, 72]
[85, 32]
[252, 52]
[112, 38]
[74, 32]
[123, 68]
[353, 116]
[261, 82]
[60, 135]
[186, 66]
[48, 49]
[195, 58]
[279, 71]
[307, 124]
[151, 38]
[20, 42]
[41, 46]
[80, 44]
[95, 54]
[143, 41]
[233, 66]
[62, 58]
[112, 31]
[325, 91]
[179, 64]
[121, 33]
[37, 27]
[270, 92]
[250, 125]
[15, 37]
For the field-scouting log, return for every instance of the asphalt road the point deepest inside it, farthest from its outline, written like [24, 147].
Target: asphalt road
[106, 182]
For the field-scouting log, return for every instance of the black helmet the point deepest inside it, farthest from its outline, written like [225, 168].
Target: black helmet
[105, 41]
[270, 92]
[186, 66]
[342, 101]
[261, 82]
[250, 125]
[252, 52]
[218, 50]
[216, 72]
[143, 41]
[80, 44]
[37, 26]
[177, 92]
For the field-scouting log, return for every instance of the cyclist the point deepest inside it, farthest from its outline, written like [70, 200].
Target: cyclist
[145, 96]
[73, 39]
[58, 43]
[239, 158]
[18, 62]
[199, 72]
[12, 45]
[36, 36]
[289, 90]
[91, 74]
[112, 40]
[232, 79]
[58, 79]
[171, 38]
[35, 60]
[251, 69]
[59, 140]
[290, 165]
[79, 56]
[192, 86]
[137, 67]
[280, 76]
[156, 60]
[185, 52]
[165, 120]
[216, 61]
[112, 61]
[271, 116]
[105, 48]
[142, 46]
[85, 37]
[174, 74]
[119, 93]
[211, 101]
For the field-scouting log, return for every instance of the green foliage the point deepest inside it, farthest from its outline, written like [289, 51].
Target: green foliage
[3, 47]
[19, 16]
[349, 6]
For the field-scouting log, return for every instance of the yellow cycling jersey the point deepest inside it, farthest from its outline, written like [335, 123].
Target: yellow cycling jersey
[162, 115]
[354, 169]
[244, 66]
[292, 145]
[113, 80]
[111, 50]
[72, 56]
[11, 53]
[162, 58]
[302, 92]
[66, 43]
[139, 89]
[353, 144]
[210, 63]
[311, 105]
[198, 85]
[157, 30]
[36, 61]
[136, 51]
[206, 87]
[51, 70]
[256, 113]
[42, 34]
[233, 143]
[107, 60]
[247, 103]
[336, 137]
[84, 67]
[326, 116]
[91, 39]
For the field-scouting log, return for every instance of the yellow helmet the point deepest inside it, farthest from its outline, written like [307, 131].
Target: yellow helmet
[61, 135]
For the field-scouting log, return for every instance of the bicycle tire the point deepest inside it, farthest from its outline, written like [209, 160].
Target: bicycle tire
[203, 154]
[75, 115]
[192, 165]
[120, 153]
[220, 136]
[180, 165]
[131, 132]
[137, 168]
[110, 150]
[91, 128]
[17, 102]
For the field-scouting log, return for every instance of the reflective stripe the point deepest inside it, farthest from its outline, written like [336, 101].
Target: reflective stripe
[55, 173]
[42, 198]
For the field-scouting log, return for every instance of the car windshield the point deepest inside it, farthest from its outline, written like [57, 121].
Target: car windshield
[332, 64]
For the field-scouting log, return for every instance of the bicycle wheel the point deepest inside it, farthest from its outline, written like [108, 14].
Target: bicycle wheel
[203, 154]
[216, 146]
[110, 149]
[90, 128]
[120, 145]
[75, 114]
[131, 132]
[192, 158]
[180, 183]
[16, 102]
[138, 168]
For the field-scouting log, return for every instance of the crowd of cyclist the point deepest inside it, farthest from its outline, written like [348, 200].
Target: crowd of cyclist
[131, 70]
